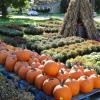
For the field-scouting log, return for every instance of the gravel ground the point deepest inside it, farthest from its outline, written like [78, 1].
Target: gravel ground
[8, 91]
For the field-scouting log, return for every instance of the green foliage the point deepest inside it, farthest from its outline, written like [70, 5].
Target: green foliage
[10, 32]
[33, 30]
[73, 50]
[53, 41]
[4, 4]
[64, 5]
[97, 5]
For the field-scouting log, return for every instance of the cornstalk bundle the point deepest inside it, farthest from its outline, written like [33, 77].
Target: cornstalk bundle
[83, 9]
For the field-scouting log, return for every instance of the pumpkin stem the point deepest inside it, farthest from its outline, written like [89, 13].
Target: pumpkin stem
[62, 72]
[62, 82]
[33, 69]
[69, 77]
[51, 78]
[43, 73]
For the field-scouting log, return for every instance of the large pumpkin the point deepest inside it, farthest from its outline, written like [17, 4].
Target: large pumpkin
[86, 84]
[39, 80]
[23, 55]
[10, 62]
[96, 80]
[3, 55]
[51, 68]
[23, 70]
[73, 85]
[49, 85]
[62, 92]
[31, 74]
[19, 64]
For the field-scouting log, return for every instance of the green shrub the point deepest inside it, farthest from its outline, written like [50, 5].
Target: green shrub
[10, 32]
[73, 50]
[33, 30]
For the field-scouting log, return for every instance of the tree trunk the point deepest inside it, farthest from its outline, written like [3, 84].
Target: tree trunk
[20, 11]
[4, 11]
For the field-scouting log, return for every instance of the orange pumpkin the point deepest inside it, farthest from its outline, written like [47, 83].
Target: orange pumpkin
[74, 85]
[89, 72]
[78, 67]
[49, 85]
[62, 92]
[62, 75]
[23, 55]
[23, 70]
[31, 60]
[51, 68]
[3, 55]
[35, 64]
[19, 64]
[41, 67]
[44, 57]
[75, 73]
[10, 62]
[2, 46]
[34, 54]
[31, 74]
[39, 80]
[86, 84]
[9, 47]
[61, 65]
[96, 80]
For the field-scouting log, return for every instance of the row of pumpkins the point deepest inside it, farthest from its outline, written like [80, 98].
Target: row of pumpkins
[54, 78]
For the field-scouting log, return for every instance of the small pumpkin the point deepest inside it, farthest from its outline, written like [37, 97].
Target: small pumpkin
[39, 80]
[96, 80]
[31, 74]
[10, 62]
[19, 64]
[89, 72]
[34, 54]
[44, 57]
[62, 92]
[9, 47]
[23, 55]
[86, 84]
[31, 60]
[35, 64]
[51, 68]
[3, 55]
[74, 85]
[75, 73]
[62, 75]
[49, 84]
[23, 70]
[78, 67]
[61, 65]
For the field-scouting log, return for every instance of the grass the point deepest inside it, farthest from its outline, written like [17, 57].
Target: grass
[13, 20]
[18, 21]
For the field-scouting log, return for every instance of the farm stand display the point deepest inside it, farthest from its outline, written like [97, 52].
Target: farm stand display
[73, 50]
[30, 64]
